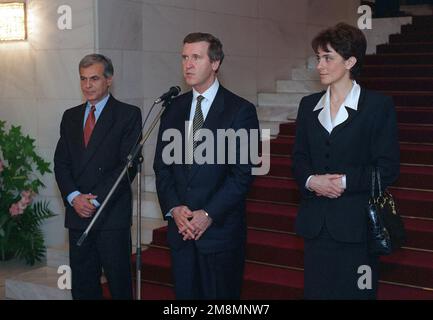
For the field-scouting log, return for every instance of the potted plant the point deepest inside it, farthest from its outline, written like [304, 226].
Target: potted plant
[21, 217]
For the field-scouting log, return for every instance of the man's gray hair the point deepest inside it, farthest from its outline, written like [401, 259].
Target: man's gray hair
[92, 59]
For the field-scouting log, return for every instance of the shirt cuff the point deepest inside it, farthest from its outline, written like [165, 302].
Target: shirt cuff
[306, 183]
[95, 203]
[72, 196]
[343, 182]
[168, 214]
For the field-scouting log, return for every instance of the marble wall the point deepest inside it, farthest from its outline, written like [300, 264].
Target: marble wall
[263, 40]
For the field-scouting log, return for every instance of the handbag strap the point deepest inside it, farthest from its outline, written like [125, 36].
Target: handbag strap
[379, 183]
[375, 174]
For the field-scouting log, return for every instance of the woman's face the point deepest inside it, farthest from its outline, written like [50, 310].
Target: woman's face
[332, 67]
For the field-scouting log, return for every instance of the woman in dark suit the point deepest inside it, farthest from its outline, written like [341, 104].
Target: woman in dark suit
[342, 134]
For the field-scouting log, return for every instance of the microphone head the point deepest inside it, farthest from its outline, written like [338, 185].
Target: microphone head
[175, 90]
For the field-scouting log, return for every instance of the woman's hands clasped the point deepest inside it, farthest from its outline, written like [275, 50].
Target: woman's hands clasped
[327, 185]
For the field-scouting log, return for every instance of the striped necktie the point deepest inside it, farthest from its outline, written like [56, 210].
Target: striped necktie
[197, 123]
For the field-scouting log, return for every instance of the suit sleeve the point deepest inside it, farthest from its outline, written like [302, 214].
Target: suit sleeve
[239, 178]
[165, 187]
[132, 130]
[384, 150]
[63, 164]
[302, 164]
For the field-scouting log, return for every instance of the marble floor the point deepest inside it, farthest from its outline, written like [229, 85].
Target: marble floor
[12, 268]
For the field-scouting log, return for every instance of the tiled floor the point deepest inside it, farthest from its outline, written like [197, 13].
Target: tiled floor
[12, 268]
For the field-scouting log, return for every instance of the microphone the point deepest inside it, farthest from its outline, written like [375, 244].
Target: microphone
[173, 92]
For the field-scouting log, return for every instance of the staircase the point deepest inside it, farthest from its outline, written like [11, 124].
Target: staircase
[402, 69]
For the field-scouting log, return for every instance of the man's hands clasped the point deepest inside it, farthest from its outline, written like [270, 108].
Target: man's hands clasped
[83, 206]
[191, 224]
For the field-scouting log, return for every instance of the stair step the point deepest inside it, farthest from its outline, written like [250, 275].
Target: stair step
[397, 70]
[401, 99]
[403, 266]
[415, 47]
[280, 217]
[305, 74]
[272, 216]
[417, 177]
[411, 98]
[296, 86]
[399, 58]
[412, 203]
[409, 153]
[416, 28]
[260, 281]
[280, 99]
[38, 284]
[276, 113]
[411, 37]
[407, 132]
[289, 285]
[416, 115]
[401, 84]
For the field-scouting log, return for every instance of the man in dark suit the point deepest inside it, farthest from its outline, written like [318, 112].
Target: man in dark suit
[205, 203]
[95, 140]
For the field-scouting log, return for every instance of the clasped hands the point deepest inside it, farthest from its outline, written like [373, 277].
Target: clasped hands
[191, 224]
[327, 185]
[83, 205]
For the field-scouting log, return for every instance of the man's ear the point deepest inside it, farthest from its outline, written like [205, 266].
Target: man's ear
[110, 81]
[215, 65]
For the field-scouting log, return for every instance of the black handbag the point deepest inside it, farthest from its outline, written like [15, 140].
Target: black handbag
[385, 227]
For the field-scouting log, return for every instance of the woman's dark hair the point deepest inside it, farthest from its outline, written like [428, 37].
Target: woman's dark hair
[345, 39]
[215, 51]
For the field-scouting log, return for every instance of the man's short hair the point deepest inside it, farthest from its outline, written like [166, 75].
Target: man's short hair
[94, 58]
[345, 39]
[215, 51]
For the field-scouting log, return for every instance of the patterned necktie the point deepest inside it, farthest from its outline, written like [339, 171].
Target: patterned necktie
[197, 123]
[90, 124]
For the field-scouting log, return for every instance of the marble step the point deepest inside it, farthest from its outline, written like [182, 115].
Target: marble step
[297, 86]
[149, 202]
[38, 284]
[279, 99]
[305, 74]
[277, 113]
[274, 126]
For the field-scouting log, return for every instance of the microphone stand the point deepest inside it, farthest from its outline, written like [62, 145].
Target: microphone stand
[131, 157]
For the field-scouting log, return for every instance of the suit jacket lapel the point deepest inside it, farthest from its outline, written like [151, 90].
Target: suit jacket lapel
[212, 122]
[101, 130]
[77, 129]
[352, 115]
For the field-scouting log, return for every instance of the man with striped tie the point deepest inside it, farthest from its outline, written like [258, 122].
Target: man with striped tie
[205, 203]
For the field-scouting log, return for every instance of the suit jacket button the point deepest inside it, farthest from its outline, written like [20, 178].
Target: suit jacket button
[188, 189]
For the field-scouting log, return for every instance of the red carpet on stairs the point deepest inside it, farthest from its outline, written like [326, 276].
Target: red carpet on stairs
[402, 69]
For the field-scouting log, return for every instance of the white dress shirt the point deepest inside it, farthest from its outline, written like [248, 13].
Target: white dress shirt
[209, 96]
[325, 119]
